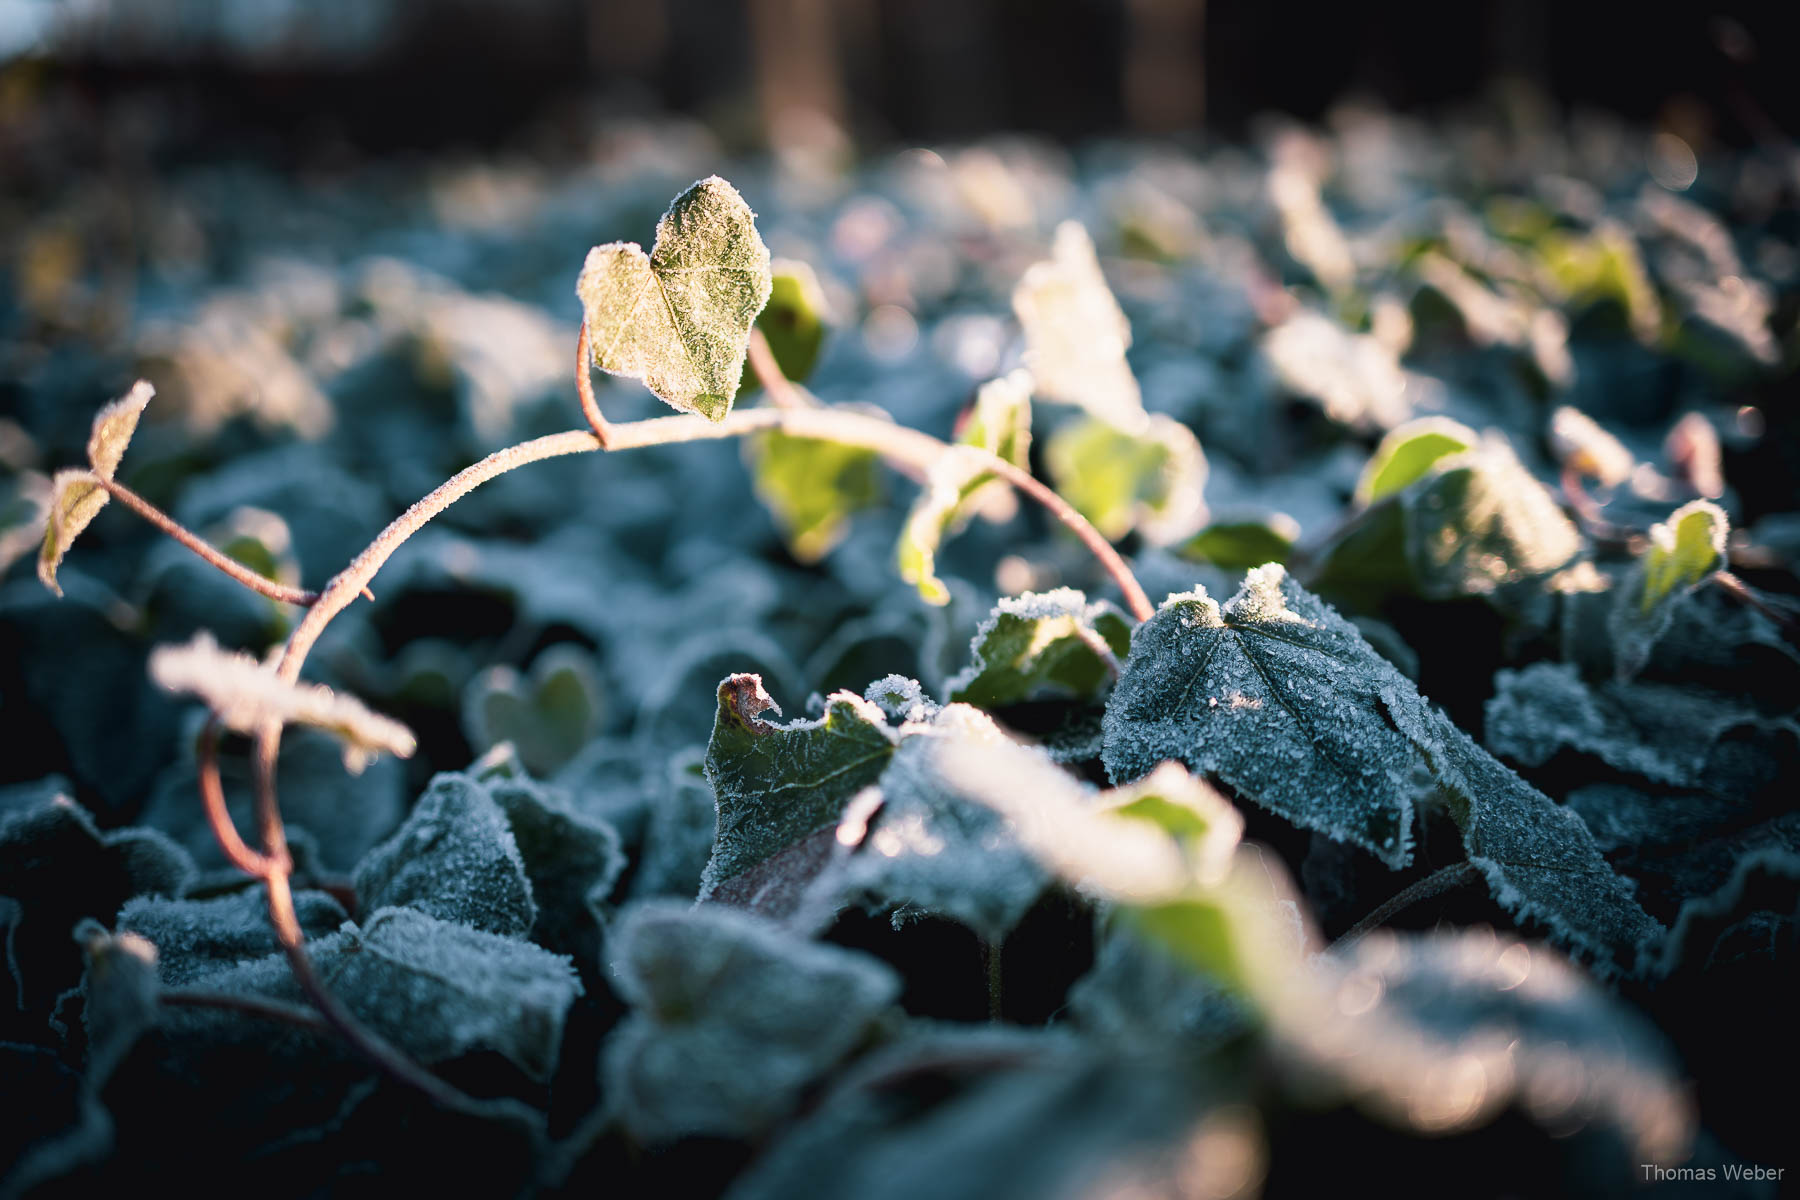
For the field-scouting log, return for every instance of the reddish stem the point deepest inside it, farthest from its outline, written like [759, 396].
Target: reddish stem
[275, 591]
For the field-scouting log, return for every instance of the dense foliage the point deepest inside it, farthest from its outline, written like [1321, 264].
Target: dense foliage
[1458, 472]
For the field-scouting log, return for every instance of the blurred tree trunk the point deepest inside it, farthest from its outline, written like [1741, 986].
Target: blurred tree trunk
[799, 79]
[1165, 79]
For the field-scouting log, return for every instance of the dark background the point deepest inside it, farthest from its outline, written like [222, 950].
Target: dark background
[308, 78]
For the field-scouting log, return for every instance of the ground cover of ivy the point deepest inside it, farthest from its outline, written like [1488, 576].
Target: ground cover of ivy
[784, 825]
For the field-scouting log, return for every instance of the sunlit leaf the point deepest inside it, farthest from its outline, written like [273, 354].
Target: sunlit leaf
[812, 487]
[1683, 553]
[113, 427]
[1281, 698]
[679, 317]
[1075, 334]
[1053, 644]
[1584, 447]
[76, 497]
[1407, 454]
[778, 785]
[1240, 545]
[1152, 481]
[244, 694]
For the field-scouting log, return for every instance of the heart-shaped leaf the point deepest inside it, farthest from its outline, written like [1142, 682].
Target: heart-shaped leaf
[679, 317]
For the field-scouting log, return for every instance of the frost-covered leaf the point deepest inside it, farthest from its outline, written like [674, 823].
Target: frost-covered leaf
[679, 836]
[572, 860]
[960, 482]
[1584, 447]
[244, 694]
[1240, 545]
[1762, 896]
[999, 1113]
[1661, 732]
[437, 990]
[1604, 264]
[75, 498]
[812, 487]
[1683, 553]
[1442, 1031]
[1468, 523]
[931, 845]
[1281, 698]
[548, 714]
[113, 427]
[778, 785]
[1152, 480]
[733, 1017]
[58, 867]
[198, 937]
[119, 1006]
[454, 858]
[1408, 453]
[1043, 645]
[793, 321]
[1075, 333]
[679, 318]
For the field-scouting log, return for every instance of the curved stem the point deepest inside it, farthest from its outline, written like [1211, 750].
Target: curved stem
[1740, 591]
[584, 387]
[1433, 884]
[218, 817]
[251, 1006]
[231, 566]
[782, 392]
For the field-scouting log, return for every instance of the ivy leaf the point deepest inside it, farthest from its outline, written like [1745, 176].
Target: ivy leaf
[793, 321]
[1053, 644]
[198, 937]
[572, 860]
[436, 989]
[1150, 477]
[929, 846]
[779, 785]
[454, 858]
[1280, 697]
[732, 1018]
[960, 482]
[1240, 545]
[1075, 333]
[1445, 523]
[1407, 454]
[76, 496]
[548, 715]
[1684, 552]
[812, 487]
[679, 318]
[1584, 447]
[244, 694]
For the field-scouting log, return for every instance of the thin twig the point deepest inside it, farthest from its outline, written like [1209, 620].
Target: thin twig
[1740, 591]
[990, 961]
[1433, 884]
[218, 817]
[584, 387]
[250, 1006]
[781, 390]
[231, 566]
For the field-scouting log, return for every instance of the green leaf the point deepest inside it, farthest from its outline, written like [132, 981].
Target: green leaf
[1037, 646]
[1281, 698]
[778, 785]
[812, 487]
[1240, 545]
[1075, 333]
[733, 1017]
[436, 989]
[454, 858]
[1407, 454]
[960, 482]
[679, 318]
[548, 715]
[76, 497]
[1683, 553]
[1603, 265]
[1152, 481]
[793, 321]
[1470, 524]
